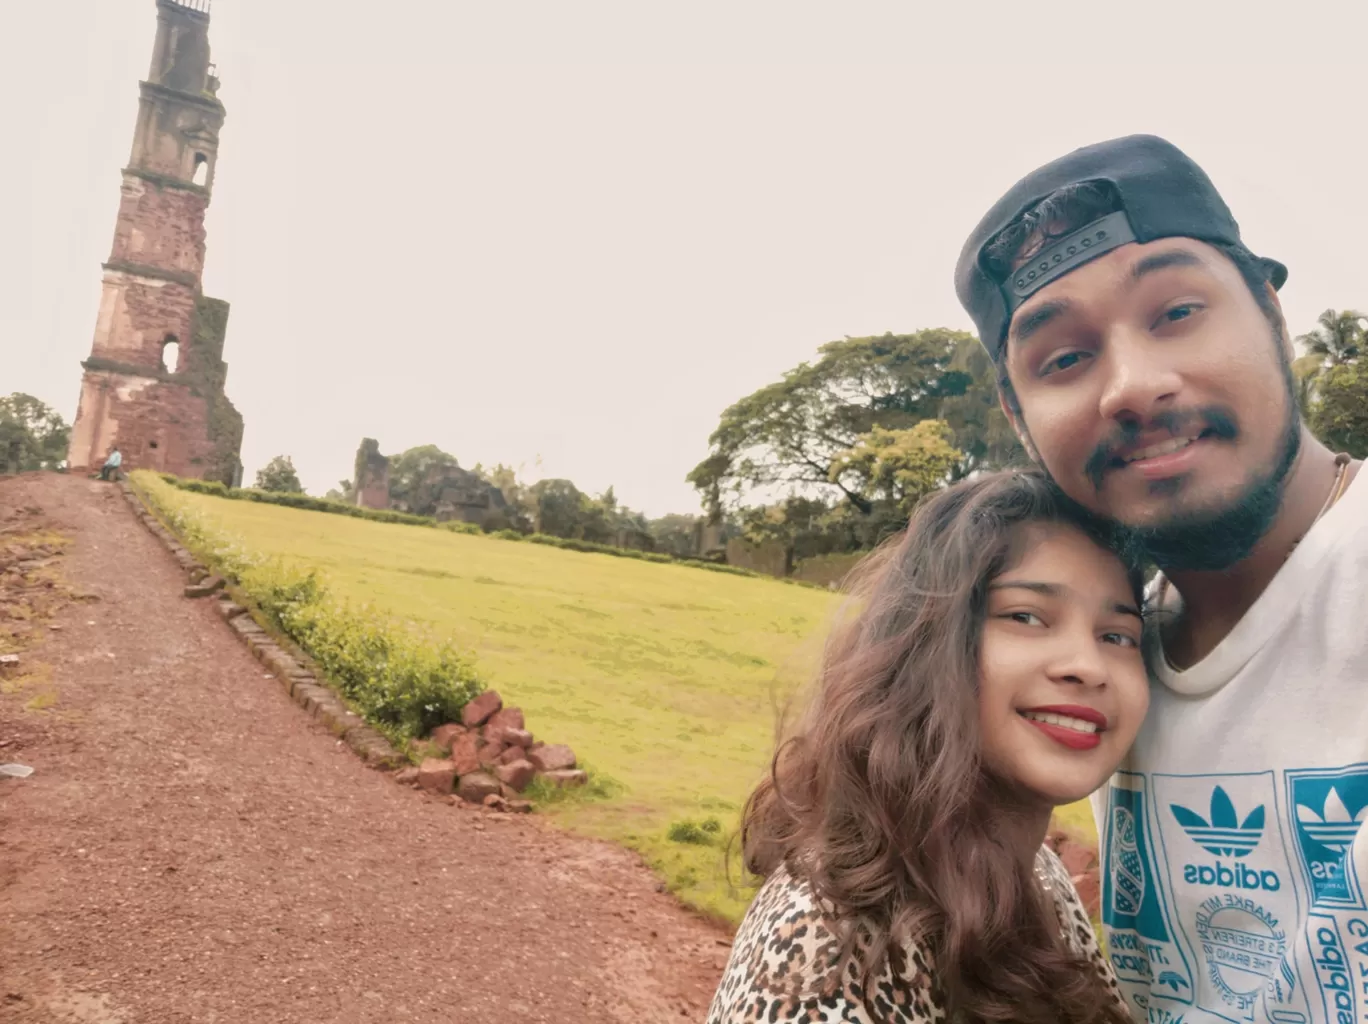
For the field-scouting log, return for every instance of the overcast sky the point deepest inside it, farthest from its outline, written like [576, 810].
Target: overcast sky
[574, 233]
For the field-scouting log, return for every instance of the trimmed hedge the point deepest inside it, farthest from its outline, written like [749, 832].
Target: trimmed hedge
[304, 501]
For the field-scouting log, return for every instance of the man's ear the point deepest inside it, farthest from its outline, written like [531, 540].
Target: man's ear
[1018, 426]
[1283, 334]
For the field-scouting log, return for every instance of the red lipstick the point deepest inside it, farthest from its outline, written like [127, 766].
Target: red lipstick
[1062, 734]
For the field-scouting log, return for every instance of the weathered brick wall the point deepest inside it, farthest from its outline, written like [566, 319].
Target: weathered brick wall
[160, 226]
[137, 315]
[156, 423]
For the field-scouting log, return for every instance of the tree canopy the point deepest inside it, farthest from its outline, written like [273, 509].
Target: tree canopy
[32, 435]
[1332, 380]
[279, 475]
[799, 433]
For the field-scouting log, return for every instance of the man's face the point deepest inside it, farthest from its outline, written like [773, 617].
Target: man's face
[1151, 385]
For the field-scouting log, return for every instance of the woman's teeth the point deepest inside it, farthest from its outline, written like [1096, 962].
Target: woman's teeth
[1050, 718]
[1155, 450]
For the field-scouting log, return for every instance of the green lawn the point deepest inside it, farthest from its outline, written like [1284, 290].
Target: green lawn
[665, 679]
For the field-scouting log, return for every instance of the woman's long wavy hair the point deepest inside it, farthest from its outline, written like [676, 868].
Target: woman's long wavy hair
[880, 799]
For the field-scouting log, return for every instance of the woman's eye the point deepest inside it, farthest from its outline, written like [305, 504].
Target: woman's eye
[1026, 618]
[1120, 639]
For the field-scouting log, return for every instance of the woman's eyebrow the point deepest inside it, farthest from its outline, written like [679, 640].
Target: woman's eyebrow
[1057, 590]
[1048, 589]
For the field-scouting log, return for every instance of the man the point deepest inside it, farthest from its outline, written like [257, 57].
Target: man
[1145, 363]
[110, 470]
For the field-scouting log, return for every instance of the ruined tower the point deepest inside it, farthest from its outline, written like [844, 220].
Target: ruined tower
[154, 383]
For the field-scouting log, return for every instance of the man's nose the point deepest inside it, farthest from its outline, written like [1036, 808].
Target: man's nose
[1141, 379]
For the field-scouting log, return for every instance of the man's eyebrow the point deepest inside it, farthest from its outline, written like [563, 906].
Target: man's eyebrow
[1038, 318]
[1128, 609]
[1163, 261]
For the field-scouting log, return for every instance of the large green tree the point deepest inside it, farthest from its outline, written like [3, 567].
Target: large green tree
[32, 435]
[789, 433]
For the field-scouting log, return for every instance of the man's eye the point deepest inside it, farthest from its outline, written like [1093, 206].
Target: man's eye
[1061, 363]
[1120, 639]
[1181, 312]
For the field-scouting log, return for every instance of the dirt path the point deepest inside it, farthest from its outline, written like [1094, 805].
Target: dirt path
[191, 848]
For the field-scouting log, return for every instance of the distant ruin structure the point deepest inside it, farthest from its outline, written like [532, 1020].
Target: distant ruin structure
[154, 383]
[436, 487]
[371, 480]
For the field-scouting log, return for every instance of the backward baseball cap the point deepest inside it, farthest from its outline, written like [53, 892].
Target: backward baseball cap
[1163, 194]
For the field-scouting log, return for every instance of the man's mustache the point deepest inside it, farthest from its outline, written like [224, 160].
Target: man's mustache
[1213, 420]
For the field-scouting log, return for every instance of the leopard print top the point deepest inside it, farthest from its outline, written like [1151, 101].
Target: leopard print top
[783, 968]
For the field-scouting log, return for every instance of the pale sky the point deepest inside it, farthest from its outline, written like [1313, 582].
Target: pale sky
[576, 232]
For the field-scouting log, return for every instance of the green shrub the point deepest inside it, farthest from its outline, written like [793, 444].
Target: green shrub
[693, 832]
[400, 680]
[507, 535]
[457, 526]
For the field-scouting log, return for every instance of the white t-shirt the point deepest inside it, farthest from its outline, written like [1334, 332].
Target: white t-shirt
[1235, 864]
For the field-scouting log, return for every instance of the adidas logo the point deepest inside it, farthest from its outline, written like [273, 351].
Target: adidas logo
[1224, 835]
[1333, 828]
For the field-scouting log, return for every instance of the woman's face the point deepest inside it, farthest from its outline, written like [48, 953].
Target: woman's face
[1062, 684]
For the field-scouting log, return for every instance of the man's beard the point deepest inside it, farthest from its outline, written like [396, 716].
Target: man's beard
[1214, 540]
[1208, 540]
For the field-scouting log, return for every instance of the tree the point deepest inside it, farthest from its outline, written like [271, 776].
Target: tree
[899, 467]
[979, 428]
[558, 506]
[1337, 338]
[789, 434]
[32, 435]
[279, 475]
[416, 478]
[519, 512]
[1339, 414]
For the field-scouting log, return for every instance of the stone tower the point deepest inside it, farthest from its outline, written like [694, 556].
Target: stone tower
[154, 383]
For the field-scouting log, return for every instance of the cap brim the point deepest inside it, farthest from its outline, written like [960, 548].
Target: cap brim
[1277, 273]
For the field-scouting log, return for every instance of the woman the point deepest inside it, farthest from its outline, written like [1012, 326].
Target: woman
[991, 673]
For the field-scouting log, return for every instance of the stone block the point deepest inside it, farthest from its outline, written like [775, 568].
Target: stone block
[481, 709]
[205, 588]
[518, 774]
[553, 758]
[443, 735]
[473, 788]
[437, 776]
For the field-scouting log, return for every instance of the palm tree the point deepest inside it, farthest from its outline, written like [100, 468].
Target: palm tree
[1338, 337]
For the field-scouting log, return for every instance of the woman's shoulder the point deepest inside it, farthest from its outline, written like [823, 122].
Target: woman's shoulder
[786, 964]
[1074, 920]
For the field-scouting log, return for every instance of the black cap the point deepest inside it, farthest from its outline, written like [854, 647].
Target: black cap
[1163, 195]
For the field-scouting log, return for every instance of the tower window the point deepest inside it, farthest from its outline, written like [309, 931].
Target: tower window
[170, 354]
[201, 176]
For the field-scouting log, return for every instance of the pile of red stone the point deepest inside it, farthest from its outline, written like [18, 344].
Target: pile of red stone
[492, 758]
[1080, 859]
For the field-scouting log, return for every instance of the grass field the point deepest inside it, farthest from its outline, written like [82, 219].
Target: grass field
[667, 680]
